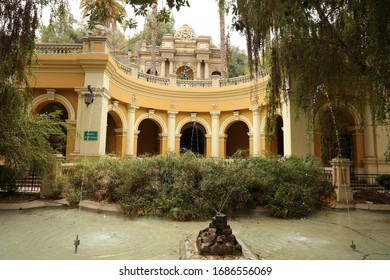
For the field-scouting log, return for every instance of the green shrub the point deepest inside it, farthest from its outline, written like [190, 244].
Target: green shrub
[301, 189]
[189, 187]
[58, 186]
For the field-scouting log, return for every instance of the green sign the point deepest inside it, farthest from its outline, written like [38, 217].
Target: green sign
[90, 135]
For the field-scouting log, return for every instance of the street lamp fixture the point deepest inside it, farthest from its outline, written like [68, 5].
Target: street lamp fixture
[89, 97]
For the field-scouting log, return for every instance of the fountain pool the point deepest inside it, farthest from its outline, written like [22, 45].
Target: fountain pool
[49, 233]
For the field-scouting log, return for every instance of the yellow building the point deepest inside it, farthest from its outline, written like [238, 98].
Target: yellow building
[135, 113]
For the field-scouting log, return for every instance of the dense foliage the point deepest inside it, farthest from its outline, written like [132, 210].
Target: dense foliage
[188, 187]
[23, 137]
[62, 28]
[339, 46]
[237, 62]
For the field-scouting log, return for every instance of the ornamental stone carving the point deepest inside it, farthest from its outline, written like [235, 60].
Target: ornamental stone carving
[185, 33]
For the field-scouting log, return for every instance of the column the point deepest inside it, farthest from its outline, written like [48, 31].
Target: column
[256, 130]
[215, 134]
[206, 70]
[295, 137]
[162, 71]
[171, 130]
[198, 69]
[170, 66]
[370, 143]
[130, 129]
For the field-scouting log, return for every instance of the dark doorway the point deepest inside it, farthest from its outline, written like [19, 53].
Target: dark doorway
[193, 138]
[238, 139]
[148, 142]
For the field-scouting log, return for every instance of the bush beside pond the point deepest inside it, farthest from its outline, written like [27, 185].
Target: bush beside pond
[188, 187]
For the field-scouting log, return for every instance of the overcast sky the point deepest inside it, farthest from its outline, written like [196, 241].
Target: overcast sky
[202, 16]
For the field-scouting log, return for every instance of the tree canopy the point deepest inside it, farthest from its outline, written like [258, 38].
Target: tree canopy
[339, 43]
[23, 137]
[237, 62]
[337, 47]
[62, 29]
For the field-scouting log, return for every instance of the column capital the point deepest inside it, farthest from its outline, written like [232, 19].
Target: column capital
[255, 109]
[215, 114]
[132, 107]
[172, 113]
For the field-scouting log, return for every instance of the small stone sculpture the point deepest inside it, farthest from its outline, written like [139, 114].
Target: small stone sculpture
[218, 239]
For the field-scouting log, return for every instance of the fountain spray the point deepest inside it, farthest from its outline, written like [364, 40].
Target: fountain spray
[321, 89]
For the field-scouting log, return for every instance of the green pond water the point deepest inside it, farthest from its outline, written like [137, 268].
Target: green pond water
[49, 233]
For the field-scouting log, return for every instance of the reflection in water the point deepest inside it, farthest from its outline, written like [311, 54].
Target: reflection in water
[50, 234]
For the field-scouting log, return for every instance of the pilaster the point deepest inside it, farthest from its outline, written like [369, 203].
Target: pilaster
[256, 130]
[131, 108]
[341, 179]
[171, 131]
[215, 115]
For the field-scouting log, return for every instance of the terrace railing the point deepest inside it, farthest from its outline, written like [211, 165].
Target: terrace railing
[194, 83]
[153, 79]
[234, 81]
[66, 49]
[55, 48]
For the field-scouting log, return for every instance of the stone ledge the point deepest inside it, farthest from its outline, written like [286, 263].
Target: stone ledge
[99, 206]
[362, 206]
[373, 207]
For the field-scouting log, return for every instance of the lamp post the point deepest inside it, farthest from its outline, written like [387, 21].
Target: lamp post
[89, 97]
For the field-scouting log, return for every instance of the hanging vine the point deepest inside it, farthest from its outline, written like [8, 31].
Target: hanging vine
[335, 43]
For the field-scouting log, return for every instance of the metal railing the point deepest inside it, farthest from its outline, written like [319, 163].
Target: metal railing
[30, 183]
[365, 182]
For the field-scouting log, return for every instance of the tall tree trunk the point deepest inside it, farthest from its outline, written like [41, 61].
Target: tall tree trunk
[221, 8]
[153, 39]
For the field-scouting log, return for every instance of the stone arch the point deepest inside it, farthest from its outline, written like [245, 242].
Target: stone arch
[116, 130]
[202, 122]
[41, 101]
[350, 132]
[276, 144]
[156, 118]
[199, 120]
[278, 112]
[233, 119]
[47, 98]
[120, 118]
[193, 138]
[237, 138]
[352, 111]
[181, 64]
[187, 68]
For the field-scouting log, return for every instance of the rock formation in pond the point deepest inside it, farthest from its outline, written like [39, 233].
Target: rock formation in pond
[218, 239]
